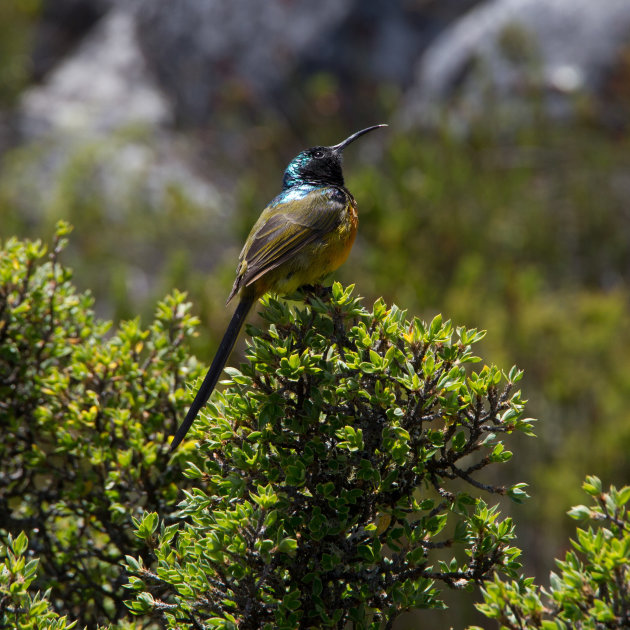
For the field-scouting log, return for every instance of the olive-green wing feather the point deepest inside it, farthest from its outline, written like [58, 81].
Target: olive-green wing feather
[284, 228]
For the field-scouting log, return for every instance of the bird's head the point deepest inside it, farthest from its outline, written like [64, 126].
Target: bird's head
[320, 165]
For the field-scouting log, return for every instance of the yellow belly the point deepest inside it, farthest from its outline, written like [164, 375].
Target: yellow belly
[316, 260]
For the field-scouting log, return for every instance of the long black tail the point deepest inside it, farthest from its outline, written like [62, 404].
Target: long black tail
[218, 363]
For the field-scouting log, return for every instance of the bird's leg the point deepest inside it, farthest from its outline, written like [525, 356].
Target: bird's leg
[317, 290]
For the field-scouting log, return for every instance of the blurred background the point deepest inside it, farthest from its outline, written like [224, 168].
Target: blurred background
[499, 195]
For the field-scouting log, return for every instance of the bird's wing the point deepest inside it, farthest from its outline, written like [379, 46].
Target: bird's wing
[286, 227]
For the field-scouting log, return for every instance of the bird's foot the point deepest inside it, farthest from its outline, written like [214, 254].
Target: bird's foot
[317, 291]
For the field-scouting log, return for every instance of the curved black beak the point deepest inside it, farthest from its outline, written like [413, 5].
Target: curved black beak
[338, 148]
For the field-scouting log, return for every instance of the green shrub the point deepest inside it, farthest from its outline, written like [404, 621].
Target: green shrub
[336, 468]
[20, 609]
[591, 590]
[84, 411]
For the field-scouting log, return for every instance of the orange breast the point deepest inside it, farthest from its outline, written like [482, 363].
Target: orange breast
[343, 239]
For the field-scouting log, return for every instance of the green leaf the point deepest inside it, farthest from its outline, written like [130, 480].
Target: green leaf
[580, 512]
[435, 326]
[623, 496]
[517, 492]
[592, 486]
[287, 545]
[20, 544]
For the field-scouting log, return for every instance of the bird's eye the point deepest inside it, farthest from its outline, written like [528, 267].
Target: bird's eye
[318, 154]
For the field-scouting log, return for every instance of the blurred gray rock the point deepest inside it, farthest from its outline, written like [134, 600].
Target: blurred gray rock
[513, 49]
[207, 51]
[104, 85]
[381, 40]
[102, 100]
[210, 52]
[62, 24]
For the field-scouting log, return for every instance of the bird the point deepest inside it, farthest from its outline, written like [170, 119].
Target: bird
[305, 233]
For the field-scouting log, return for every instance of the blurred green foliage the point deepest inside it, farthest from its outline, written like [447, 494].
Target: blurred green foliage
[336, 466]
[85, 410]
[123, 213]
[590, 591]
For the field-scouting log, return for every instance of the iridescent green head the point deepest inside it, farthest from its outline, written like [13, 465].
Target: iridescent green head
[320, 165]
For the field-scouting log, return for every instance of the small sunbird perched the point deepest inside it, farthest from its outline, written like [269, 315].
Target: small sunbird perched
[304, 234]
